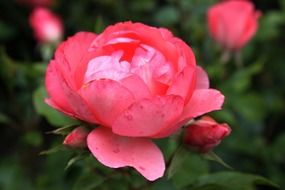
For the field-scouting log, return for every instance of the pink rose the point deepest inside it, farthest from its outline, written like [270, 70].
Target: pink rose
[205, 133]
[138, 83]
[233, 23]
[77, 138]
[46, 25]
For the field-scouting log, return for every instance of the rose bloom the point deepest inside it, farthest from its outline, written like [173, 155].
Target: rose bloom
[137, 83]
[205, 134]
[46, 25]
[233, 23]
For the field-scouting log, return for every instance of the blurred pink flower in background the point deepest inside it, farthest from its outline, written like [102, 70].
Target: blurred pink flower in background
[205, 134]
[36, 3]
[46, 25]
[138, 83]
[233, 23]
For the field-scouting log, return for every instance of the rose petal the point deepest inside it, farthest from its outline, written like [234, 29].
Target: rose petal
[64, 98]
[143, 33]
[116, 151]
[52, 104]
[78, 105]
[75, 54]
[201, 102]
[202, 81]
[149, 116]
[53, 83]
[108, 99]
[184, 83]
[137, 86]
[250, 29]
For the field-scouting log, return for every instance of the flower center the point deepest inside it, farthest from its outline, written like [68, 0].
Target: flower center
[147, 63]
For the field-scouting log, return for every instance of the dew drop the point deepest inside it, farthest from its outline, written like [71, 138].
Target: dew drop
[142, 168]
[117, 150]
[129, 117]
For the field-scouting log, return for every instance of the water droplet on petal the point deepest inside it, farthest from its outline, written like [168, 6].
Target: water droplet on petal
[129, 117]
[117, 150]
[142, 168]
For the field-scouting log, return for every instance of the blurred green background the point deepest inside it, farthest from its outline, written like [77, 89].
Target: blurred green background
[254, 107]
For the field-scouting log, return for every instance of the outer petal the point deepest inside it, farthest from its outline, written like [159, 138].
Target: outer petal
[202, 81]
[116, 151]
[65, 99]
[249, 30]
[53, 83]
[201, 102]
[184, 83]
[78, 105]
[149, 116]
[107, 99]
[73, 56]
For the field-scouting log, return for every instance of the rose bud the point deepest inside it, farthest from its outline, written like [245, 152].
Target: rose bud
[136, 83]
[204, 134]
[233, 23]
[46, 25]
[76, 138]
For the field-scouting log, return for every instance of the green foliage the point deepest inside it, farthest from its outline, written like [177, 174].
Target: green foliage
[54, 117]
[192, 166]
[231, 181]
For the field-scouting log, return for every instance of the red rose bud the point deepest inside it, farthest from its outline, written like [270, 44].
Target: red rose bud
[204, 134]
[46, 25]
[77, 138]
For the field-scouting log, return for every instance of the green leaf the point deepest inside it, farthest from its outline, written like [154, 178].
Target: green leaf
[251, 106]
[190, 169]
[232, 181]
[52, 150]
[163, 184]
[240, 81]
[88, 181]
[270, 23]
[73, 160]
[4, 118]
[62, 131]
[167, 15]
[214, 157]
[54, 117]
[8, 68]
[33, 138]
[176, 161]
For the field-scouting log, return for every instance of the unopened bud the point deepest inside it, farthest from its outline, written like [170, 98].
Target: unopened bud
[204, 134]
[77, 138]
